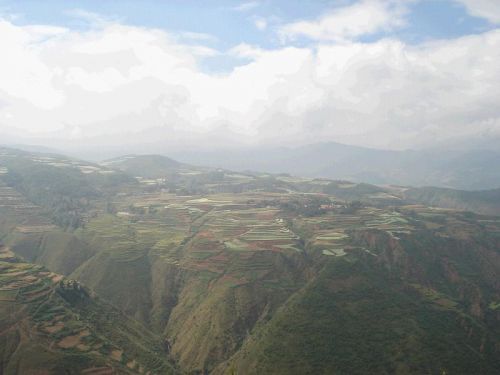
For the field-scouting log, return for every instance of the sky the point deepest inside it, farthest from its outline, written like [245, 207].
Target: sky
[206, 75]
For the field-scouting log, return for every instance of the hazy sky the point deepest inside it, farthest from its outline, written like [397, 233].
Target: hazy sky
[383, 73]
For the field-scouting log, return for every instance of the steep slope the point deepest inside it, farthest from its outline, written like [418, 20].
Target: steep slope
[30, 232]
[53, 325]
[203, 291]
[424, 303]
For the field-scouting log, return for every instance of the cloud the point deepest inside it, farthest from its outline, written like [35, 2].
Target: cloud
[120, 83]
[23, 74]
[349, 22]
[260, 24]
[487, 9]
[244, 50]
[201, 37]
[247, 6]
[91, 18]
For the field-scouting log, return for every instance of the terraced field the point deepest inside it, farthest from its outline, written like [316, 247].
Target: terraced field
[331, 234]
[202, 234]
[60, 326]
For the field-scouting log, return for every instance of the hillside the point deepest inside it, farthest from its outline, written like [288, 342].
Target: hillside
[148, 166]
[486, 202]
[49, 324]
[65, 187]
[258, 273]
[385, 312]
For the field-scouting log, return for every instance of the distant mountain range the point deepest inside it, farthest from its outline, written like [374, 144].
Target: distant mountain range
[456, 166]
[458, 169]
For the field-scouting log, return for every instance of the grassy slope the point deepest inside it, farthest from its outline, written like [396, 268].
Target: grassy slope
[59, 251]
[212, 319]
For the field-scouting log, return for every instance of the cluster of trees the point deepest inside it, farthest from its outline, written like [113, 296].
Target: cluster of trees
[306, 206]
[72, 291]
[64, 193]
[351, 207]
[310, 205]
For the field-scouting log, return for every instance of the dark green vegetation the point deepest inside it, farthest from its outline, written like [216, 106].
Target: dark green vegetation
[64, 187]
[241, 273]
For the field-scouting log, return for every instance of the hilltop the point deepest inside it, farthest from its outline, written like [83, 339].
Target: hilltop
[148, 166]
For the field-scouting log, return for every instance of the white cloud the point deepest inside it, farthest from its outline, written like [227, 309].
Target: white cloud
[22, 71]
[245, 7]
[90, 17]
[349, 22]
[260, 23]
[201, 37]
[244, 50]
[121, 83]
[106, 80]
[487, 9]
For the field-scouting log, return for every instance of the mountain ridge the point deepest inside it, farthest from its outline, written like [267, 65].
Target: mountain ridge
[462, 169]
